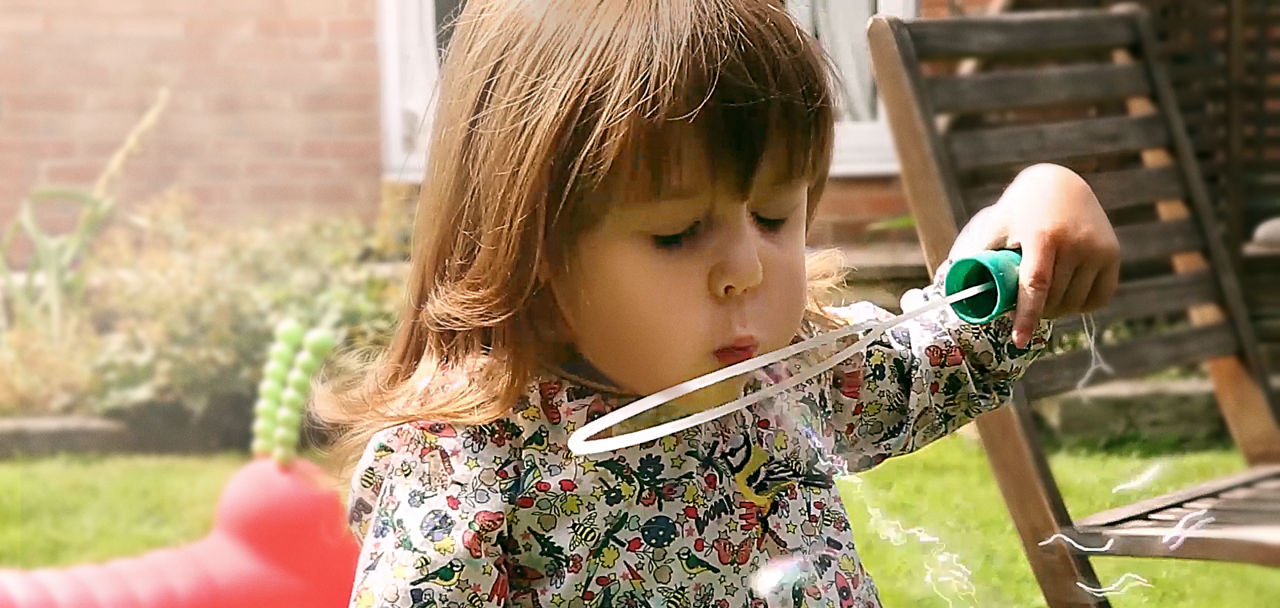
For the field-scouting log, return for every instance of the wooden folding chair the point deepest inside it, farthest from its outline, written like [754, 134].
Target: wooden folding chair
[1081, 88]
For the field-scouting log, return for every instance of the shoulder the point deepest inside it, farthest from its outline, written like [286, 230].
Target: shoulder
[426, 457]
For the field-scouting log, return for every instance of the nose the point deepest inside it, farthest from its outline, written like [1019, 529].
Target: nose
[737, 268]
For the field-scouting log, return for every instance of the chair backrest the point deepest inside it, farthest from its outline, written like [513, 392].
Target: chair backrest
[1080, 88]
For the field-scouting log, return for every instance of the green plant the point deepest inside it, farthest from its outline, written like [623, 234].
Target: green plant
[53, 284]
[46, 339]
[186, 327]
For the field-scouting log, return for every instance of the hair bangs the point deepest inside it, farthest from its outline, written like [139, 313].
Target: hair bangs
[743, 80]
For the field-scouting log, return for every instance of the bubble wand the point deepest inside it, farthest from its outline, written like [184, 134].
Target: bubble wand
[979, 288]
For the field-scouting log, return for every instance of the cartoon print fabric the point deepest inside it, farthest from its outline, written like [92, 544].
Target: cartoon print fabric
[504, 515]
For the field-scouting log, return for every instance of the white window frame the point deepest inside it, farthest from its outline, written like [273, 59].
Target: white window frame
[865, 148]
[861, 149]
[401, 162]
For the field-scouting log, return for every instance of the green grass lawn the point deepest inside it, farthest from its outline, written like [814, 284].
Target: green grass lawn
[71, 509]
[947, 490]
[68, 510]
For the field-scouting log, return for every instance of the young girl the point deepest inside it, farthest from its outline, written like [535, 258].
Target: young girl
[616, 201]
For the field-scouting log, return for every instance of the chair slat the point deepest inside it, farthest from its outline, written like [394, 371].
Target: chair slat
[1055, 374]
[1115, 189]
[1042, 87]
[1247, 543]
[1149, 297]
[1237, 504]
[1021, 34]
[1254, 493]
[1129, 187]
[1056, 141]
[1220, 518]
[1250, 478]
[1155, 240]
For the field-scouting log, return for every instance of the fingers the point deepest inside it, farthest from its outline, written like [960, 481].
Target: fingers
[1034, 278]
[1064, 268]
[1075, 294]
[1104, 286]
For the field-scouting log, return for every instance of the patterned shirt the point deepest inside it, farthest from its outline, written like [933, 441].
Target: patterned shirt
[503, 514]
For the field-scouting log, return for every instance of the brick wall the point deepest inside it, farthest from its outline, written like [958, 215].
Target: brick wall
[274, 106]
[274, 103]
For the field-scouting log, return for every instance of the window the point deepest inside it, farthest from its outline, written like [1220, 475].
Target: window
[411, 34]
[863, 144]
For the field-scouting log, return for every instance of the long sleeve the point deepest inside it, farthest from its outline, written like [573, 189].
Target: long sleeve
[428, 503]
[920, 380]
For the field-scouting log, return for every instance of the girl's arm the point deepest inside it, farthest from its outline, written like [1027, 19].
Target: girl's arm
[432, 527]
[928, 377]
[920, 380]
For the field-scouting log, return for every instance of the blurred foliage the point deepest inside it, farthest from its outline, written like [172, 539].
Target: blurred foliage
[187, 314]
[43, 297]
[179, 315]
[140, 307]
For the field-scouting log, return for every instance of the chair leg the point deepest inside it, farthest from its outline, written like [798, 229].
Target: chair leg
[1038, 513]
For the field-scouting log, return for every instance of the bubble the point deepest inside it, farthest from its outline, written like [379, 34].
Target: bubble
[776, 578]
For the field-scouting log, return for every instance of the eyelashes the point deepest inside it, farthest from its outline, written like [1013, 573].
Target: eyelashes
[680, 239]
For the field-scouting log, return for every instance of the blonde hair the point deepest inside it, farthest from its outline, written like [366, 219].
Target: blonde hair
[542, 102]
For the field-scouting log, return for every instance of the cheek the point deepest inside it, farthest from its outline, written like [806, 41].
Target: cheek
[619, 308]
[793, 283]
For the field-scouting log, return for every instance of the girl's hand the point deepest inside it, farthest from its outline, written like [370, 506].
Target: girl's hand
[1070, 255]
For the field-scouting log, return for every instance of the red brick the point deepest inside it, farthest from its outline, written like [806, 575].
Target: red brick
[361, 8]
[350, 74]
[354, 124]
[317, 50]
[351, 29]
[340, 101]
[37, 148]
[342, 149]
[257, 50]
[177, 148]
[76, 24]
[38, 125]
[317, 7]
[289, 28]
[219, 171]
[17, 23]
[219, 27]
[117, 100]
[362, 51]
[148, 26]
[257, 149]
[268, 193]
[333, 193]
[13, 73]
[862, 197]
[234, 126]
[247, 100]
[41, 101]
[291, 169]
[71, 173]
[211, 194]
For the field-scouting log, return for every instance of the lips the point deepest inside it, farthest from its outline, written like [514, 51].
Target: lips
[739, 351]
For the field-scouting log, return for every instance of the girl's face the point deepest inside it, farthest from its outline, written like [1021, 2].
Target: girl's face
[662, 291]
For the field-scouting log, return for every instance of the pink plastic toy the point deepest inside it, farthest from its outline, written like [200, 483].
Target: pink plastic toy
[279, 540]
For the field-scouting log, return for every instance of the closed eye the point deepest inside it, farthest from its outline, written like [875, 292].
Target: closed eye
[675, 241]
[769, 224]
